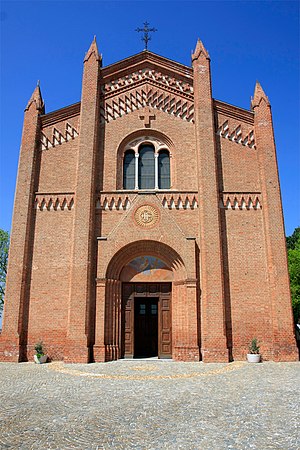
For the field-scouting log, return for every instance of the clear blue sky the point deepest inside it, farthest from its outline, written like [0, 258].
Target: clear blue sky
[247, 41]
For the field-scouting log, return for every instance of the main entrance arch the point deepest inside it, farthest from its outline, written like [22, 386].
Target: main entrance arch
[146, 328]
[142, 305]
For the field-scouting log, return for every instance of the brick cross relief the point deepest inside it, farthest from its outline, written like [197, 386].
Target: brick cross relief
[147, 117]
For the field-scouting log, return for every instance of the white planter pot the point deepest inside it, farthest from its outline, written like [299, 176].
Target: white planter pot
[40, 360]
[253, 358]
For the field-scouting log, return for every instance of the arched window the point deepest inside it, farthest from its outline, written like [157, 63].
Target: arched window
[146, 165]
[146, 172]
[129, 170]
[164, 170]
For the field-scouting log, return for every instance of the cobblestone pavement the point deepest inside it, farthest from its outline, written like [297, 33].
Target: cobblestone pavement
[150, 404]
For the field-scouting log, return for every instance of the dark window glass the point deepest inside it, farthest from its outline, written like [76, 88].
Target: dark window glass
[164, 170]
[142, 310]
[154, 310]
[129, 170]
[146, 167]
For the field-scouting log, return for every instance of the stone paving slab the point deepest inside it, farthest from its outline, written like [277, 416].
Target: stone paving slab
[149, 405]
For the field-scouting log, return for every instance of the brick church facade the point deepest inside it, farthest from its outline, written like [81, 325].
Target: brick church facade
[148, 222]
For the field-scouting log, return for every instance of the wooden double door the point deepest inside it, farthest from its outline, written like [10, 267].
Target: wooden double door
[146, 320]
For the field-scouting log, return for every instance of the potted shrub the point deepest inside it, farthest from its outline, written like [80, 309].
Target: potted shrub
[39, 356]
[253, 355]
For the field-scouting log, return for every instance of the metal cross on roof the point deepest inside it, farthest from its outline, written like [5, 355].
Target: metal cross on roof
[146, 30]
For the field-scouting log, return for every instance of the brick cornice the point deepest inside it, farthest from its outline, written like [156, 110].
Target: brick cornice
[234, 112]
[60, 114]
[144, 59]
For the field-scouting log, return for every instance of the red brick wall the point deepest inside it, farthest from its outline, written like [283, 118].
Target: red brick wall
[240, 169]
[50, 280]
[247, 293]
[230, 279]
[58, 168]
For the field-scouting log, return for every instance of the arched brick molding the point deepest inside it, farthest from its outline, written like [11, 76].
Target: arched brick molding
[145, 136]
[109, 303]
[149, 247]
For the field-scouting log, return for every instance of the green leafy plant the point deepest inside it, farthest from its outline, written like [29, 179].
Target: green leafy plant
[39, 349]
[293, 247]
[254, 347]
[4, 244]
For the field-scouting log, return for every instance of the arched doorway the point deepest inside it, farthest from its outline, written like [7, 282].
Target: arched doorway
[146, 329]
[142, 281]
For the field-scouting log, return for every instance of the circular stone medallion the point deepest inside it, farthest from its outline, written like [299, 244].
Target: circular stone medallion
[146, 216]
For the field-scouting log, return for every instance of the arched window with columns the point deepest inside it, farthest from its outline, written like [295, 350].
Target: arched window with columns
[146, 165]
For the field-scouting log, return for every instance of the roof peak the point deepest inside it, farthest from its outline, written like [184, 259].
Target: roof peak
[36, 98]
[145, 56]
[259, 95]
[198, 50]
[93, 50]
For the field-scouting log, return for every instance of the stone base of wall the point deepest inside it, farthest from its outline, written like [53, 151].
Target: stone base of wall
[284, 354]
[99, 353]
[214, 355]
[79, 354]
[10, 351]
[186, 353]
[288, 353]
[55, 352]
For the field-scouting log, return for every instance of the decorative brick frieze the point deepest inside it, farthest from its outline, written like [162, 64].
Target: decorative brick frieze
[236, 135]
[187, 200]
[156, 98]
[159, 79]
[114, 202]
[54, 202]
[169, 200]
[58, 137]
[239, 201]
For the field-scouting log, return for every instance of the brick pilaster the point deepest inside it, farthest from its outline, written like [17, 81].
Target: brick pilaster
[284, 347]
[213, 332]
[83, 270]
[16, 307]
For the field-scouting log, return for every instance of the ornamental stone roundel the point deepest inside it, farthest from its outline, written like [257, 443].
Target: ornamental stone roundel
[146, 216]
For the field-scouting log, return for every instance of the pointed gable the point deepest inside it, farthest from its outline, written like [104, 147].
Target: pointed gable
[147, 80]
